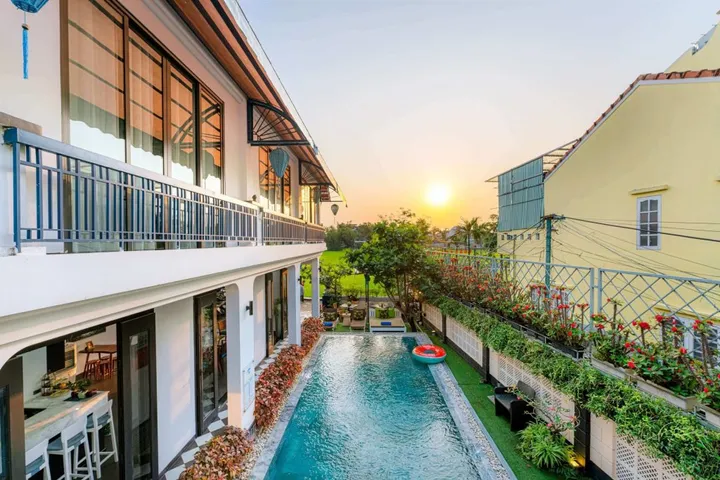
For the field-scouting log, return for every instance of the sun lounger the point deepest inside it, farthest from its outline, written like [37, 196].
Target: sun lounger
[387, 325]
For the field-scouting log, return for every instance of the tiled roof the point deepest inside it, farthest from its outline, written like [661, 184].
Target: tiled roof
[644, 77]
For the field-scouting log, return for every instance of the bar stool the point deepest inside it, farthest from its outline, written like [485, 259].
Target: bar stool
[37, 459]
[90, 369]
[96, 421]
[68, 445]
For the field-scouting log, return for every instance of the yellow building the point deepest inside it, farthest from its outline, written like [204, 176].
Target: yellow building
[646, 171]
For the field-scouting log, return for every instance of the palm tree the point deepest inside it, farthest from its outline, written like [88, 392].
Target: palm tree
[466, 231]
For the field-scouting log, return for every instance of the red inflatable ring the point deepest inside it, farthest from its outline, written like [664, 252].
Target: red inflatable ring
[429, 353]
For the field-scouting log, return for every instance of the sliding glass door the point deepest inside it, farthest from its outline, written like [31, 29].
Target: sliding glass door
[138, 397]
[211, 356]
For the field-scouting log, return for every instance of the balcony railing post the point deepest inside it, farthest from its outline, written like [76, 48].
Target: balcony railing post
[16, 197]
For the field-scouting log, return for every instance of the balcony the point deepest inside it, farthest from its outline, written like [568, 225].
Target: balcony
[70, 200]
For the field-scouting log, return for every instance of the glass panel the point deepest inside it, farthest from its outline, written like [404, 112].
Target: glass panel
[140, 398]
[643, 241]
[4, 431]
[653, 240]
[207, 358]
[287, 192]
[96, 80]
[643, 218]
[644, 206]
[182, 127]
[146, 105]
[264, 171]
[222, 346]
[653, 205]
[210, 143]
[654, 216]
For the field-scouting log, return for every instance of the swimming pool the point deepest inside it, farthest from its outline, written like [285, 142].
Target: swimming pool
[369, 411]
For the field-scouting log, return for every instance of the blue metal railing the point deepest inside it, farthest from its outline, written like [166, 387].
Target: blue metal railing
[72, 196]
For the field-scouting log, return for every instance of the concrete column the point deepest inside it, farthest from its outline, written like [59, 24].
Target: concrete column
[240, 354]
[294, 319]
[315, 266]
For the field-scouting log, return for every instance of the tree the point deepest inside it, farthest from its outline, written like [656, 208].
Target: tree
[466, 231]
[340, 237]
[331, 275]
[396, 257]
[364, 230]
[488, 233]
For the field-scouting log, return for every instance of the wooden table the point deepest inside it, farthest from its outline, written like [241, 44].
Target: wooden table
[57, 414]
[109, 350]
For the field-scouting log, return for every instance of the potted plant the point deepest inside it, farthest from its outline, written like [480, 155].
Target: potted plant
[709, 398]
[610, 343]
[663, 368]
[80, 389]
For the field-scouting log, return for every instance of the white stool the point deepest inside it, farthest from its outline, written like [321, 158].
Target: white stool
[96, 421]
[37, 459]
[71, 439]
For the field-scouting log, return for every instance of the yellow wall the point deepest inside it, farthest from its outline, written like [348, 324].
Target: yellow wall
[663, 134]
[707, 57]
[532, 248]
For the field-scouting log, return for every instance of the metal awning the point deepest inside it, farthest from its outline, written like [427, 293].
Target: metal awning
[269, 126]
[550, 159]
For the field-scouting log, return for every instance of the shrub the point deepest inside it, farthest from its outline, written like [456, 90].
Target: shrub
[664, 429]
[223, 457]
[274, 383]
[544, 447]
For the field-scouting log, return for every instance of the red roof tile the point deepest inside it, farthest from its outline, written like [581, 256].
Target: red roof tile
[644, 77]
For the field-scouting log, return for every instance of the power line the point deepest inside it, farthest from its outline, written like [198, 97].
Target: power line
[663, 223]
[659, 252]
[716, 240]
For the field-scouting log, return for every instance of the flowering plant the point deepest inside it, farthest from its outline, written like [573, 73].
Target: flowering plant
[224, 456]
[610, 338]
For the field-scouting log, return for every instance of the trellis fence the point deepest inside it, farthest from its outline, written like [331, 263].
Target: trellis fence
[638, 295]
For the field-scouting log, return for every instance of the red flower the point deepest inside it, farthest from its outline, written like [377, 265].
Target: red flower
[600, 326]
[570, 334]
[706, 390]
[634, 323]
[628, 345]
[621, 326]
[695, 326]
[573, 325]
[631, 364]
[683, 350]
[659, 318]
[674, 329]
[644, 326]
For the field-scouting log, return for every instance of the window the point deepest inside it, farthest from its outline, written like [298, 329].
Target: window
[96, 63]
[275, 192]
[309, 201]
[692, 340]
[287, 192]
[210, 143]
[130, 100]
[648, 215]
[146, 105]
[182, 127]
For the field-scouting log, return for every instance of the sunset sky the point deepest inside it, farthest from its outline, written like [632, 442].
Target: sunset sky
[402, 96]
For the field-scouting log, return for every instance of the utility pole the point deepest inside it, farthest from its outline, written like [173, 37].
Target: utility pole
[548, 247]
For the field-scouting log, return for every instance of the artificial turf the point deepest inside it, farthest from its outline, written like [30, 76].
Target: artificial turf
[477, 394]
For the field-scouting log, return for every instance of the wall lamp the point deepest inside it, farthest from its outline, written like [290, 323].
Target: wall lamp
[249, 307]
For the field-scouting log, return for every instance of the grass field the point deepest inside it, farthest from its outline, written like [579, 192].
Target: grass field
[351, 281]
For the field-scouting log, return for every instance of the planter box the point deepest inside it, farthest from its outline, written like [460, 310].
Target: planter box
[572, 352]
[685, 403]
[709, 415]
[609, 369]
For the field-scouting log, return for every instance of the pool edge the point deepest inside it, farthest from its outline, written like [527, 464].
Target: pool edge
[461, 414]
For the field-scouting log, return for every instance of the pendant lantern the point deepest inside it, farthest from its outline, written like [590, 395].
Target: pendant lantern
[279, 160]
[27, 6]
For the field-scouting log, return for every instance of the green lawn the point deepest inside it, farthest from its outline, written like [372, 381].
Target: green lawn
[477, 394]
[351, 281]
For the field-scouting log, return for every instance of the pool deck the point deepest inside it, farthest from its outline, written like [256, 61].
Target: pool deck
[487, 458]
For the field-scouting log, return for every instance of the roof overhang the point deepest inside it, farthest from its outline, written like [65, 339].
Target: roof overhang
[216, 26]
[549, 159]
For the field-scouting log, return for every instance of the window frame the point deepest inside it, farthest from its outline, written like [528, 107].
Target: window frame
[169, 59]
[689, 337]
[639, 232]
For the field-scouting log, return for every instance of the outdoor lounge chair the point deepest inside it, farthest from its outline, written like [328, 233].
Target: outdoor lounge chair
[357, 319]
[330, 321]
[518, 409]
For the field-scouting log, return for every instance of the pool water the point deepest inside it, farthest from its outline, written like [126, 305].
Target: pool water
[369, 411]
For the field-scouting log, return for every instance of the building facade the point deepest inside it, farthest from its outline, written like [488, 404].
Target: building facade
[160, 195]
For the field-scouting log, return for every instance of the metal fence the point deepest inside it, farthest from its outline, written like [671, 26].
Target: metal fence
[638, 295]
[63, 195]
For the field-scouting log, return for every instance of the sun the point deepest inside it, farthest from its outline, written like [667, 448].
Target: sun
[437, 195]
